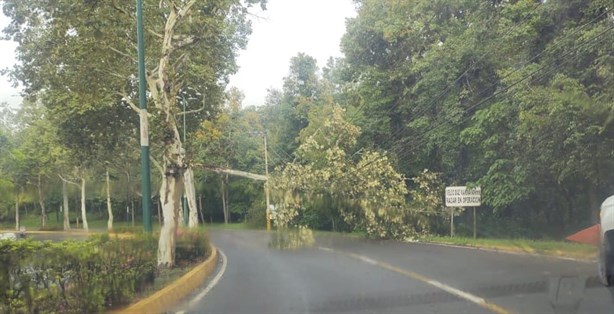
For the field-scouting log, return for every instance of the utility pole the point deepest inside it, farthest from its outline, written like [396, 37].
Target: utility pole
[145, 174]
[266, 185]
[266, 182]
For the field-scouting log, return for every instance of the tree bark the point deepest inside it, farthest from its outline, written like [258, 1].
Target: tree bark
[159, 214]
[17, 212]
[180, 213]
[109, 207]
[200, 209]
[41, 202]
[132, 209]
[83, 213]
[170, 198]
[190, 193]
[65, 202]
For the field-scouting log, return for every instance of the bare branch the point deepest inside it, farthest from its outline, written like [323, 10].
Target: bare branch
[114, 6]
[195, 110]
[123, 54]
[126, 99]
[155, 33]
[157, 165]
[183, 11]
[238, 173]
[191, 111]
[187, 41]
[68, 181]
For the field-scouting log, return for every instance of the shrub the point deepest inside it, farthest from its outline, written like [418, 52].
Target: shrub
[127, 229]
[256, 215]
[73, 276]
[191, 246]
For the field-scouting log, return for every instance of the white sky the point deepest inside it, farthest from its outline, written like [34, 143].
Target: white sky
[286, 28]
[314, 27]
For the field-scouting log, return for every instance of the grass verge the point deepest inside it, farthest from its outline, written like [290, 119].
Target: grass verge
[230, 226]
[33, 222]
[551, 248]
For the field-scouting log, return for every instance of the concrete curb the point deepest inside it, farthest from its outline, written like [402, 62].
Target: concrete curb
[566, 258]
[168, 296]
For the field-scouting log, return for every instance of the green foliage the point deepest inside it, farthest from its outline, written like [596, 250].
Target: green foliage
[256, 216]
[370, 194]
[428, 202]
[74, 276]
[191, 246]
[513, 96]
[294, 238]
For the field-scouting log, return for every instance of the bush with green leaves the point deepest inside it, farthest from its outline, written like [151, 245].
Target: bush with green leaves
[74, 276]
[191, 246]
[369, 193]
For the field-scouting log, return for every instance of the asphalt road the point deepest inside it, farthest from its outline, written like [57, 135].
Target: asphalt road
[349, 275]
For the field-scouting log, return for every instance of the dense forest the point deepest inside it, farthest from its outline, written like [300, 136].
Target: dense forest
[516, 97]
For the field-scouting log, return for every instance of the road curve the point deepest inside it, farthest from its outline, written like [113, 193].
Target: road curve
[349, 275]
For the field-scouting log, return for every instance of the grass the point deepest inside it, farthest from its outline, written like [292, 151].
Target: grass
[230, 226]
[32, 222]
[552, 248]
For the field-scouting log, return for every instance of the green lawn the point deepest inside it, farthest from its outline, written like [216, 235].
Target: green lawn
[32, 222]
[554, 248]
[231, 226]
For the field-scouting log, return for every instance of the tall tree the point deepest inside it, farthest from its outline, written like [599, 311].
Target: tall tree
[189, 43]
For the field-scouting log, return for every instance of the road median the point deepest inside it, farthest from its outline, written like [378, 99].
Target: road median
[168, 296]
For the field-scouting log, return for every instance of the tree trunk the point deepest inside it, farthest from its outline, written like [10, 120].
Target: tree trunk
[180, 214]
[200, 209]
[190, 193]
[83, 213]
[17, 212]
[65, 208]
[171, 191]
[159, 214]
[132, 209]
[109, 208]
[41, 201]
[226, 191]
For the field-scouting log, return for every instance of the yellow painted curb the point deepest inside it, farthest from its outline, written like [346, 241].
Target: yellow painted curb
[168, 296]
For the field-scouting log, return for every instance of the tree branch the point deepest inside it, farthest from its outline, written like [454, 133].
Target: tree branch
[191, 111]
[124, 54]
[183, 11]
[127, 100]
[68, 181]
[157, 165]
[238, 173]
[186, 42]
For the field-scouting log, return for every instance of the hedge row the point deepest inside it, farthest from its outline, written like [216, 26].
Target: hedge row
[83, 276]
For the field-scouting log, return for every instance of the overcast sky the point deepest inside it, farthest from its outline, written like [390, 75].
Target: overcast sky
[286, 28]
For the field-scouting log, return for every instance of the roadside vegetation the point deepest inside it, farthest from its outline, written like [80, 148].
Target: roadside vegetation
[553, 248]
[101, 273]
[513, 96]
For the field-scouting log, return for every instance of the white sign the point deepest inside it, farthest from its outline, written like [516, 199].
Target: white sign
[461, 196]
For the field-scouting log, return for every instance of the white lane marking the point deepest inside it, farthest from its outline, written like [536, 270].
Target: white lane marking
[456, 292]
[211, 284]
[413, 275]
[367, 260]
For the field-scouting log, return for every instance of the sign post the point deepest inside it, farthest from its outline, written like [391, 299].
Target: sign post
[461, 196]
[474, 228]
